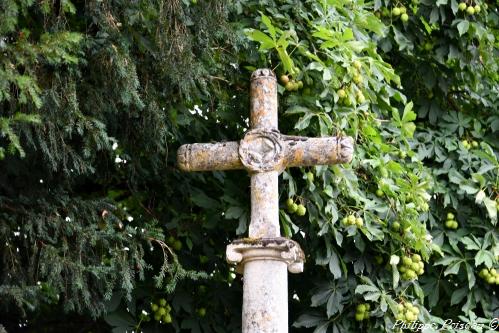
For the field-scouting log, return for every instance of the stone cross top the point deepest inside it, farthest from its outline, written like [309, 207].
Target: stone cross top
[264, 152]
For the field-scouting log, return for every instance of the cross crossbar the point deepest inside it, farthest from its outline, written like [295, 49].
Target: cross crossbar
[297, 151]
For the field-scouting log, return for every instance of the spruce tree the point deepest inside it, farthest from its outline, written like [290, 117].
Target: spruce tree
[90, 92]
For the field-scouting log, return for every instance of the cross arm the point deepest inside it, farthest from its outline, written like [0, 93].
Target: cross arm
[283, 151]
[209, 156]
[303, 151]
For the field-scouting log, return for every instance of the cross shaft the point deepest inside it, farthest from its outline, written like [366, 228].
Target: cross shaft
[264, 152]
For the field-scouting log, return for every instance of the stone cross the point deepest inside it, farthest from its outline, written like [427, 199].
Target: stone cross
[264, 152]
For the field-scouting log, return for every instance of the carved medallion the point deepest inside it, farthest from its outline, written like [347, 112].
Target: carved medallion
[260, 150]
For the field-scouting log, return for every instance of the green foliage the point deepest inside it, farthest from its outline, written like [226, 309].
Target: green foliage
[403, 156]
[407, 153]
[84, 137]
[99, 94]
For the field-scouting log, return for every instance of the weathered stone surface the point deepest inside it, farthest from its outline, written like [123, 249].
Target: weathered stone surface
[265, 263]
[265, 297]
[244, 250]
[302, 151]
[263, 99]
[262, 150]
[265, 257]
[209, 156]
[264, 205]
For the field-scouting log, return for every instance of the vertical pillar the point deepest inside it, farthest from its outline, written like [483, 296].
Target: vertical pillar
[263, 100]
[265, 300]
[265, 263]
[265, 297]
[264, 189]
[264, 205]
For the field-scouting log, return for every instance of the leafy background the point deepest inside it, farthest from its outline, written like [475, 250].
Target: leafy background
[97, 223]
